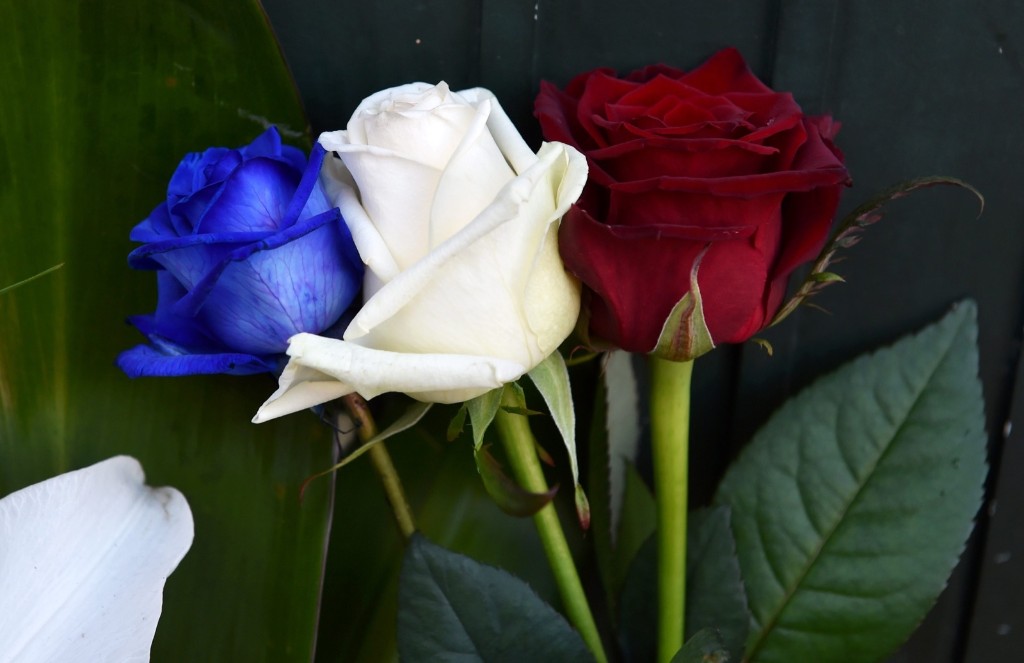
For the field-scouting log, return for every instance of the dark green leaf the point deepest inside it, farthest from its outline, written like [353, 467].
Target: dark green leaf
[715, 598]
[624, 510]
[100, 103]
[704, 647]
[454, 608]
[852, 504]
[506, 493]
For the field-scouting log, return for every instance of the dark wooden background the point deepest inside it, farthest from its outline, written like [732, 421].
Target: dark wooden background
[921, 86]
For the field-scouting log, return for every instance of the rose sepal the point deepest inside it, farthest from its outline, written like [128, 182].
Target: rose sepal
[685, 335]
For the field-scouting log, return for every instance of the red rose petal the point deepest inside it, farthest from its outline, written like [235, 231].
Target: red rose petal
[637, 280]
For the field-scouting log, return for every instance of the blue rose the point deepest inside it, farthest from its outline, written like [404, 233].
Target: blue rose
[248, 252]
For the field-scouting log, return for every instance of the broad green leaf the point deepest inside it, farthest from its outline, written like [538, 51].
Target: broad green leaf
[704, 647]
[851, 506]
[551, 378]
[100, 103]
[481, 413]
[715, 598]
[454, 608]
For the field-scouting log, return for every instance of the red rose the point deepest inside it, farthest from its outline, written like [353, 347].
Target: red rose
[707, 173]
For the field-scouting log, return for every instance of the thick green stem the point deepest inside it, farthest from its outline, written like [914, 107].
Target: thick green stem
[522, 456]
[670, 432]
[381, 460]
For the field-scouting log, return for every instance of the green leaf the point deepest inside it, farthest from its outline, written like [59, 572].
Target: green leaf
[704, 647]
[715, 597]
[639, 520]
[685, 335]
[551, 378]
[622, 404]
[852, 504]
[506, 493]
[453, 608]
[614, 483]
[101, 102]
[481, 413]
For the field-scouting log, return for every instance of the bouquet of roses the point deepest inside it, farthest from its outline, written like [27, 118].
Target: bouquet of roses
[428, 250]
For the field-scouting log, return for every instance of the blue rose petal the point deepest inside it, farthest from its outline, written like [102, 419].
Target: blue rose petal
[248, 252]
[255, 197]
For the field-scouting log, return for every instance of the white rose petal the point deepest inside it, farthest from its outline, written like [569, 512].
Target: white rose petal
[83, 560]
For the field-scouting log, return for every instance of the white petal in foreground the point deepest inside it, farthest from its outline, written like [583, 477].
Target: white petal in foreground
[83, 560]
[322, 369]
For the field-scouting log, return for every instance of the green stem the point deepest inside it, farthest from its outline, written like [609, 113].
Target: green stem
[670, 430]
[381, 460]
[522, 456]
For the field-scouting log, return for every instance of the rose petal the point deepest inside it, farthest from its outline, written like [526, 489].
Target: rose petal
[638, 280]
[504, 132]
[303, 285]
[254, 198]
[145, 361]
[472, 179]
[396, 193]
[322, 369]
[370, 243]
[478, 275]
[83, 561]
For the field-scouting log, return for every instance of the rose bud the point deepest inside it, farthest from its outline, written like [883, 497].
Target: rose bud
[706, 185]
[249, 252]
[457, 221]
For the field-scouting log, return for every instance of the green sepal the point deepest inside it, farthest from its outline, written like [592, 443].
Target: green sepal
[407, 420]
[457, 424]
[685, 335]
[506, 493]
[551, 377]
[481, 413]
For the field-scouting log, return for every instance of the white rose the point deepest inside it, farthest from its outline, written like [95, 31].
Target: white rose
[457, 221]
